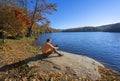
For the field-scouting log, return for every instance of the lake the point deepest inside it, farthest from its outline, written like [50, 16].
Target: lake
[101, 46]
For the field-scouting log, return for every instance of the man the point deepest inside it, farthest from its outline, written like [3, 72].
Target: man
[48, 49]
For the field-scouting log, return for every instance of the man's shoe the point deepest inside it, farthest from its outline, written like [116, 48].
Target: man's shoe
[60, 54]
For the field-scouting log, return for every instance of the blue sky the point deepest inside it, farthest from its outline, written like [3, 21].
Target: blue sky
[79, 13]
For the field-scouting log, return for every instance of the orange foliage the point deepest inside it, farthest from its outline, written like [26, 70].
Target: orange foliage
[13, 20]
[35, 29]
[23, 19]
[19, 14]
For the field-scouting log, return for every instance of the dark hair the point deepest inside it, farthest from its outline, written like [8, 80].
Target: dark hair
[35, 38]
[48, 40]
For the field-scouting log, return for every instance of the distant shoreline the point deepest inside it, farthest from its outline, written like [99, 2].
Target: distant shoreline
[104, 28]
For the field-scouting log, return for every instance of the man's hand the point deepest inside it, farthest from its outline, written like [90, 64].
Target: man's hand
[56, 46]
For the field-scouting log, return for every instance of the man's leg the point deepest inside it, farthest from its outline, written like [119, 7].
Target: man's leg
[55, 51]
[47, 54]
[50, 52]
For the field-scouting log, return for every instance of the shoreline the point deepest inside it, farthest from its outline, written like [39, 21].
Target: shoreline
[102, 63]
[80, 66]
[76, 65]
[99, 62]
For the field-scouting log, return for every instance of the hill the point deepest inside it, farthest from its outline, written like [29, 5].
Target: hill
[104, 28]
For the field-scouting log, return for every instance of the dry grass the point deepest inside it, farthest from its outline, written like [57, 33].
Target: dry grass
[17, 50]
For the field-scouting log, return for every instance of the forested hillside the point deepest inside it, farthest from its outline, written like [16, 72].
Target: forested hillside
[104, 28]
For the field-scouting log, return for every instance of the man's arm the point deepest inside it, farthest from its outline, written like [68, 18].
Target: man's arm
[53, 46]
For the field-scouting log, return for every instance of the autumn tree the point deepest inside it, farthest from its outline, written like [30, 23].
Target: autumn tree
[12, 21]
[37, 14]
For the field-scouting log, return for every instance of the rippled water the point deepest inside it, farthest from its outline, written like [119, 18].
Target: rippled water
[101, 46]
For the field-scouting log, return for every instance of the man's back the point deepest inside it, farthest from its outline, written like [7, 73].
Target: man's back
[46, 47]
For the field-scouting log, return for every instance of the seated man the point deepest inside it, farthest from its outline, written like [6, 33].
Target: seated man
[48, 48]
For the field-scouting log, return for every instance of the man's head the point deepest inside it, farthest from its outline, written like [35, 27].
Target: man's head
[49, 40]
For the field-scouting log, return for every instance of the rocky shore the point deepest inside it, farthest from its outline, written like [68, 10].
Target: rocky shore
[76, 65]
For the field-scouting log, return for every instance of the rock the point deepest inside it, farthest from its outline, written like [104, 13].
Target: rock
[76, 65]
[33, 64]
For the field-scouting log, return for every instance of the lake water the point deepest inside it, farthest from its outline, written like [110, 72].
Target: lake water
[101, 46]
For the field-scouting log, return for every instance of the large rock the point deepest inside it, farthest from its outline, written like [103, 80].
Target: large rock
[76, 65]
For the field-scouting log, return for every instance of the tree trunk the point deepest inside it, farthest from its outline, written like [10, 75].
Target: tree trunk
[3, 39]
[29, 34]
